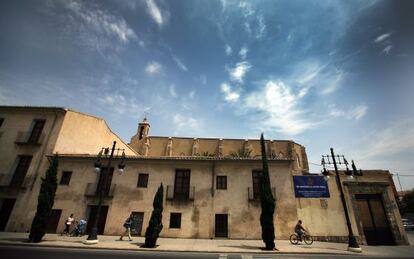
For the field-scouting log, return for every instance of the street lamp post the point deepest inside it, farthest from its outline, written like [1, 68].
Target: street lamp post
[93, 235]
[352, 243]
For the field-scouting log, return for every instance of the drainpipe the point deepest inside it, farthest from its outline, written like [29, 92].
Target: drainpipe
[43, 151]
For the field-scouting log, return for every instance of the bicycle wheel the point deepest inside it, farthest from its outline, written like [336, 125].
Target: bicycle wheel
[308, 240]
[294, 239]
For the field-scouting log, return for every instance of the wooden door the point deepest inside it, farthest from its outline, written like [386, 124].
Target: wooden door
[374, 220]
[53, 222]
[137, 220]
[101, 220]
[221, 225]
[5, 211]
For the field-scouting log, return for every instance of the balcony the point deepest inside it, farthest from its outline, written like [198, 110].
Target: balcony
[252, 196]
[171, 195]
[23, 138]
[92, 191]
[6, 187]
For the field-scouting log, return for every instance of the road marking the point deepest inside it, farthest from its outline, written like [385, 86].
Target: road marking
[246, 257]
[223, 256]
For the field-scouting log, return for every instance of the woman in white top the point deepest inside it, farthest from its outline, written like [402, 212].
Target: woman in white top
[68, 222]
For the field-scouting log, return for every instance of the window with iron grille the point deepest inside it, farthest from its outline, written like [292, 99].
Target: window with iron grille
[257, 178]
[21, 170]
[221, 182]
[175, 220]
[182, 184]
[65, 179]
[36, 131]
[142, 180]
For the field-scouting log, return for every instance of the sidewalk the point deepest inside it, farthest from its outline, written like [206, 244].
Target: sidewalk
[202, 245]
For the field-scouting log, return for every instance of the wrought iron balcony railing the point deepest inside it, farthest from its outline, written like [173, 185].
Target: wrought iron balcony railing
[92, 190]
[181, 196]
[23, 138]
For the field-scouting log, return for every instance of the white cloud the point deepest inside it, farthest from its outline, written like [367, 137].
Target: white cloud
[155, 12]
[356, 112]
[227, 49]
[391, 140]
[239, 71]
[387, 49]
[229, 95]
[203, 79]
[153, 68]
[101, 21]
[382, 37]
[180, 64]
[173, 93]
[280, 108]
[261, 27]
[332, 82]
[246, 9]
[186, 123]
[243, 52]
[122, 105]
[191, 94]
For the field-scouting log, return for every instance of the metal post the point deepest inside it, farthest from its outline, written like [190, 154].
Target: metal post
[352, 243]
[93, 236]
[399, 182]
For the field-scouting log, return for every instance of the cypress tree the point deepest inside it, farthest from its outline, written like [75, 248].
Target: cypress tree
[267, 203]
[45, 202]
[155, 224]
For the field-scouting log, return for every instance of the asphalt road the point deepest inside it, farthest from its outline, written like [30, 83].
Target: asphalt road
[24, 252]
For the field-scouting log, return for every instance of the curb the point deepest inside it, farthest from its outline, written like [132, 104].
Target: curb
[139, 249]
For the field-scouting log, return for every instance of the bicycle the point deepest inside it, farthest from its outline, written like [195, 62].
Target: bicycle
[294, 239]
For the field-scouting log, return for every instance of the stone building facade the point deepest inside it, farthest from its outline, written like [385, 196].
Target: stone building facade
[211, 185]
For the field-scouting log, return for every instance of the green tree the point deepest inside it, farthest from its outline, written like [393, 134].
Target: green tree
[407, 203]
[267, 203]
[155, 224]
[45, 202]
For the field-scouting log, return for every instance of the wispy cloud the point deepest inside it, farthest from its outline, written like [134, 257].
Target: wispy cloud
[243, 52]
[356, 112]
[227, 49]
[279, 107]
[155, 12]
[387, 49]
[191, 94]
[180, 64]
[101, 21]
[382, 37]
[230, 95]
[239, 71]
[186, 124]
[173, 93]
[122, 105]
[153, 68]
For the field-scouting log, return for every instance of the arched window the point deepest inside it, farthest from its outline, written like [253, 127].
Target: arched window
[298, 160]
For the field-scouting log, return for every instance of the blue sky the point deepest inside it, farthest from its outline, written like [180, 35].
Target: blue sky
[322, 73]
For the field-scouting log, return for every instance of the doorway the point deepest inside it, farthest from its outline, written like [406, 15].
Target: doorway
[53, 222]
[137, 220]
[376, 227]
[6, 206]
[221, 225]
[101, 221]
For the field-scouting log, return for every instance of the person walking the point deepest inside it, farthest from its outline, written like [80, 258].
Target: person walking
[127, 226]
[68, 223]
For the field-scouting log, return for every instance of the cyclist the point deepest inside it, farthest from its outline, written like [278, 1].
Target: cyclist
[299, 230]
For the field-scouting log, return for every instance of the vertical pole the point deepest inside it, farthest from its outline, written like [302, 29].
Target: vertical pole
[94, 232]
[352, 243]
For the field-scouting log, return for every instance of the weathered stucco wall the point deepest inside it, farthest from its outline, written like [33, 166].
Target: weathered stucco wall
[85, 134]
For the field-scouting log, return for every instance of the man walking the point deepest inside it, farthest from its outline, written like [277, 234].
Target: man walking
[127, 226]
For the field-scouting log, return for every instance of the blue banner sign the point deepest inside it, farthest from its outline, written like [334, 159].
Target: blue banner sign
[310, 187]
